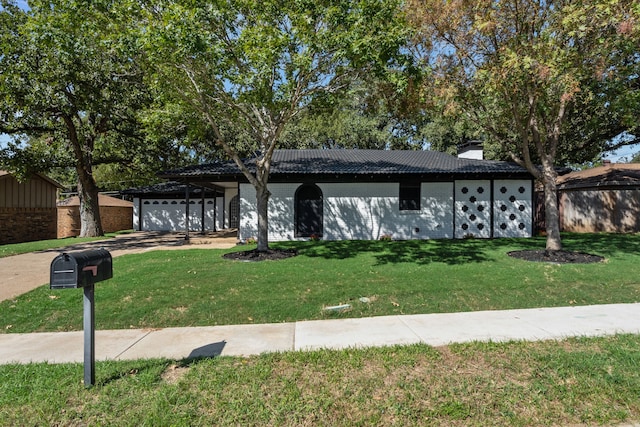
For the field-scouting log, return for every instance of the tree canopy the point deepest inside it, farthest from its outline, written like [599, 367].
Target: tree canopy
[370, 115]
[255, 65]
[70, 90]
[542, 79]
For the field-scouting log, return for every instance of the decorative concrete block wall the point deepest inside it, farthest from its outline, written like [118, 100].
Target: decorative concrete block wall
[473, 208]
[512, 208]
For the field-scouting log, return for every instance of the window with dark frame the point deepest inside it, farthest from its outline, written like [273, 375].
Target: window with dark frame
[409, 196]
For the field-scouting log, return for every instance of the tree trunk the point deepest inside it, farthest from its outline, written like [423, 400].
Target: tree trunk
[262, 198]
[90, 222]
[551, 210]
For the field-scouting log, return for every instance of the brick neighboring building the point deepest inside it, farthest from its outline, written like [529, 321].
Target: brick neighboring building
[27, 209]
[116, 215]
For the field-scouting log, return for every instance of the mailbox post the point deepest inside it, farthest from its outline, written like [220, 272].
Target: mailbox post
[89, 328]
[82, 269]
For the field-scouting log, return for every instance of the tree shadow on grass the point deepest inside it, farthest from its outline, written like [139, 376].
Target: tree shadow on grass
[464, 251]
[604, 244]
[451, 252]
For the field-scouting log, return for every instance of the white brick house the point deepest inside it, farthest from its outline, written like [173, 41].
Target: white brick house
[365, 194]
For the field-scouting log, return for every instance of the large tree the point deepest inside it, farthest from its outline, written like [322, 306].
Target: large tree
[370, 115]
[254, 65]
[540, 78]
[69, 90]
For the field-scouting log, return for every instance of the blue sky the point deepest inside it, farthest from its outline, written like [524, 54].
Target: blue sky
[625, 153]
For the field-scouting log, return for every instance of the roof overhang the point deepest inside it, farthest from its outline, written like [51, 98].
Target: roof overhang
[352, 166]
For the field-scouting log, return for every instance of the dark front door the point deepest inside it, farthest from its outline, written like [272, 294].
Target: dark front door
[234, 212]
[308, 215]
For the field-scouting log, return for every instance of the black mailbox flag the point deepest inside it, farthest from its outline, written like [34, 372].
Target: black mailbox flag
[80, 269]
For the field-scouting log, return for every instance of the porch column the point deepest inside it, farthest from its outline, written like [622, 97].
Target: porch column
[186, 211]
[202, 212]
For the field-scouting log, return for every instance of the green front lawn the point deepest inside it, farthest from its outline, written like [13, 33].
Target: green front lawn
[42, 245]
[580, 381]
[197, 287]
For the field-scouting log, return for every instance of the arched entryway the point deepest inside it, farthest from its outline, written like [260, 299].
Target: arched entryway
[308, 213]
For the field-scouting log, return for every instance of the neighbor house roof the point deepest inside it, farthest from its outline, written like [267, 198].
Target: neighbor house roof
[607, 176]
[374, 164]
[53, 182]
[103, 200]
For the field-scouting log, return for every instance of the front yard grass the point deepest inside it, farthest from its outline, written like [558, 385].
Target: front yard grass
[41, 245]
[197, 287]
[579, 381]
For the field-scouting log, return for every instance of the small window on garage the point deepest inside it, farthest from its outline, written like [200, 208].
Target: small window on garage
[409, 196]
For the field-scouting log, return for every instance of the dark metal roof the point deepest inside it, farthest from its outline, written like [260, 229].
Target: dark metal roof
[354, 162]
[165, 189]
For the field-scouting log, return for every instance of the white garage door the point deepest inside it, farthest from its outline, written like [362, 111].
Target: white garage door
[169, 214]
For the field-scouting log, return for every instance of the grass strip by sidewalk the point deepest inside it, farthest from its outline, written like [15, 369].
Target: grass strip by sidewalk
[594, 381]
[199, 288]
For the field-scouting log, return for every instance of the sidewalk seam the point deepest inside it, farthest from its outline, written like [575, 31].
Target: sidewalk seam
[117, 356]
[417, 335]
[295, 329]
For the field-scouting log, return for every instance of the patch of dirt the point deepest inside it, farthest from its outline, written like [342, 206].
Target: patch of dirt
[255, 255]
[174, 373]
[557, 257]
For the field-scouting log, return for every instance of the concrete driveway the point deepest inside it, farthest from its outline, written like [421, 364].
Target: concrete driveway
[22, 273]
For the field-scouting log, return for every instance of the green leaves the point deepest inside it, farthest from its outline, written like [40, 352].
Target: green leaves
[260, 62]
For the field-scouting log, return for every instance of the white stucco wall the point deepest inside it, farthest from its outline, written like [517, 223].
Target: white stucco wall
[281, 218]
[366, 211]
[355, 211]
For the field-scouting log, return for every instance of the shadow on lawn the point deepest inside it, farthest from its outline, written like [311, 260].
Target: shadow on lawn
[603, 244]
[143, 367]
[455, 252]
[410, 251]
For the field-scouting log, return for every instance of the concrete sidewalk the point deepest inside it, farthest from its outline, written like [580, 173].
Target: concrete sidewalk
[245, 340]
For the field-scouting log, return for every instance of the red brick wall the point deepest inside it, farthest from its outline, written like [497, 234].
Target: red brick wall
[27, 224]
[114, 218]
[68, 221]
